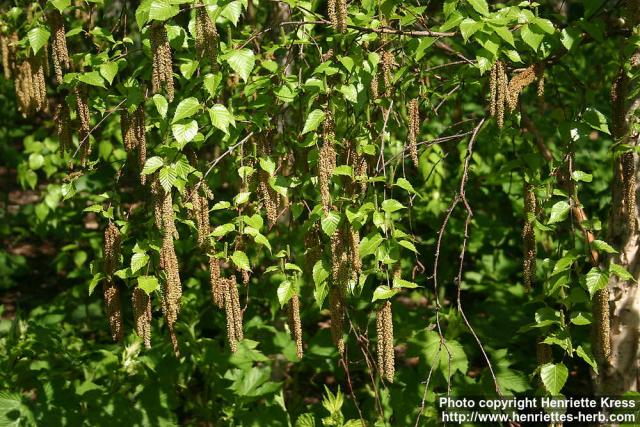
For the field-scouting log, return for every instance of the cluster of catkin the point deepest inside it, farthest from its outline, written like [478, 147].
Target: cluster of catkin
[111, 254]
[327, 161]
[267, 194]
[388, 62]
[8, 45]
[414, 130]
[233, 311]
[82, 105]
[295, 324]
[59, 52]
[141, 303]
[529, 236]
[359, 166]
[172, 292]
[384, 332]
[62, 119]
[134, 135]
[337, 11]
[162, 73]
[505, 92]
[206, 35]
[30, 85]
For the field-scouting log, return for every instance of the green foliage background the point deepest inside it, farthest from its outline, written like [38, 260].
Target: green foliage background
[275, 79]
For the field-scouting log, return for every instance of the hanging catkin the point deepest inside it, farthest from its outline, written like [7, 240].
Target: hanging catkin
[39, 84]
[414, 130]
[128, 136]
[517, 84]
[341, 258]
[384, 331]
[313, 245]
[83, 117]
[233, 312]
[619, 90]
[24, 89]
[502, 93]
[268, 196]
[59, 52]
[529, 236]
[62, 119]
[8, 47]
[326, 161]
[493, 90]
[601, 326]
[628, 161]
[111, 254]
[337, 11]
[388, 61]
[295, 325]
[141, 139]
[162, 73]
[336, 308]
[206, 35]
[142, 315]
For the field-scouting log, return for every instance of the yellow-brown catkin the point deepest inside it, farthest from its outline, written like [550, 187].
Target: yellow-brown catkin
[24, 89]
[313, 245]
[619, 90]
[295, 325]
[217, 291]
[519, 81]
[502, 92]
[359, 166]
[111, 254]
[354, 252]
[629, 189]
[493, 90]
[333, 13]
[62, 119]
[128, 136]
[233, 312]
[268, 196]
[39, 84]
[341, 259]
[140, 138]
[601, 327]
[540, 77]
[385, 351]
[8, 55]
[200, 216]
[529, 236]
[59, 52]
[326, 160]
[388, 61]
[142, 315]
[206, 36]
[341, 15]
[83, 117]
[336, 308]
[162, 74]
[374, 86]
[414, 130]
[172, 292]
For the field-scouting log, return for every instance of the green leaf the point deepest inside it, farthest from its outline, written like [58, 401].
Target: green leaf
[559, 212]
[167, 177]
[392, 205]
[401, 283]
[480, 6]
[242, 62]
[580, 318]
[587, 357]
[313, 121]
[596, 280]
[405, 185]
[545, 25]
[596, 120]
[61, 5]
[554, 377]
[468, 27]
[240, 259]
[148, 284]
[92, 78]
[151, 165]
[223, 229]
[161, 104]
[505, 35]
[320, 273]
[409, 245]
[161, 10]
[369, 244]
[38, 37]
[383, 292]
[329, 223]
[108, 70]
[232, 12]
[184, 133]
[186, 108]
[212, 82]
[581, 176]
[285, 291]
[531, 37]
[621, 272]
[221, 118]
[603, 246]
[268, 165]
[138, 261]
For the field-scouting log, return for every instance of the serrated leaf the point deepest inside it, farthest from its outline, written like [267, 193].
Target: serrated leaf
[320, 273]
[313, 121]
[409, 245]
[221, 118]
[401, 283]
[383, 292]
[92, 78]
[596, 120]
[212, 82]
[545, 25]
[329, 223]
[554, 376]
[559, 212]
[268, 165]
[109, 70]
[587, 357]
[240, 259]
[285, 291]
[262, 240]
[596, 280]
[186, 108]
[38, 37]
[232, 12]
[581, 176]
[184, 133]
[621, 272]
[603, 246]
[223, 229]
[152, 164]
[138, 260]
[61, 5]
[369, 244]
[392, 205]
[480, 6]
[405, 185]
[468, 27]
[531, 37]
[167, 177]
[161, 104]
[242, 62]
[505, 34]
[148, 284]
[161, 10]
